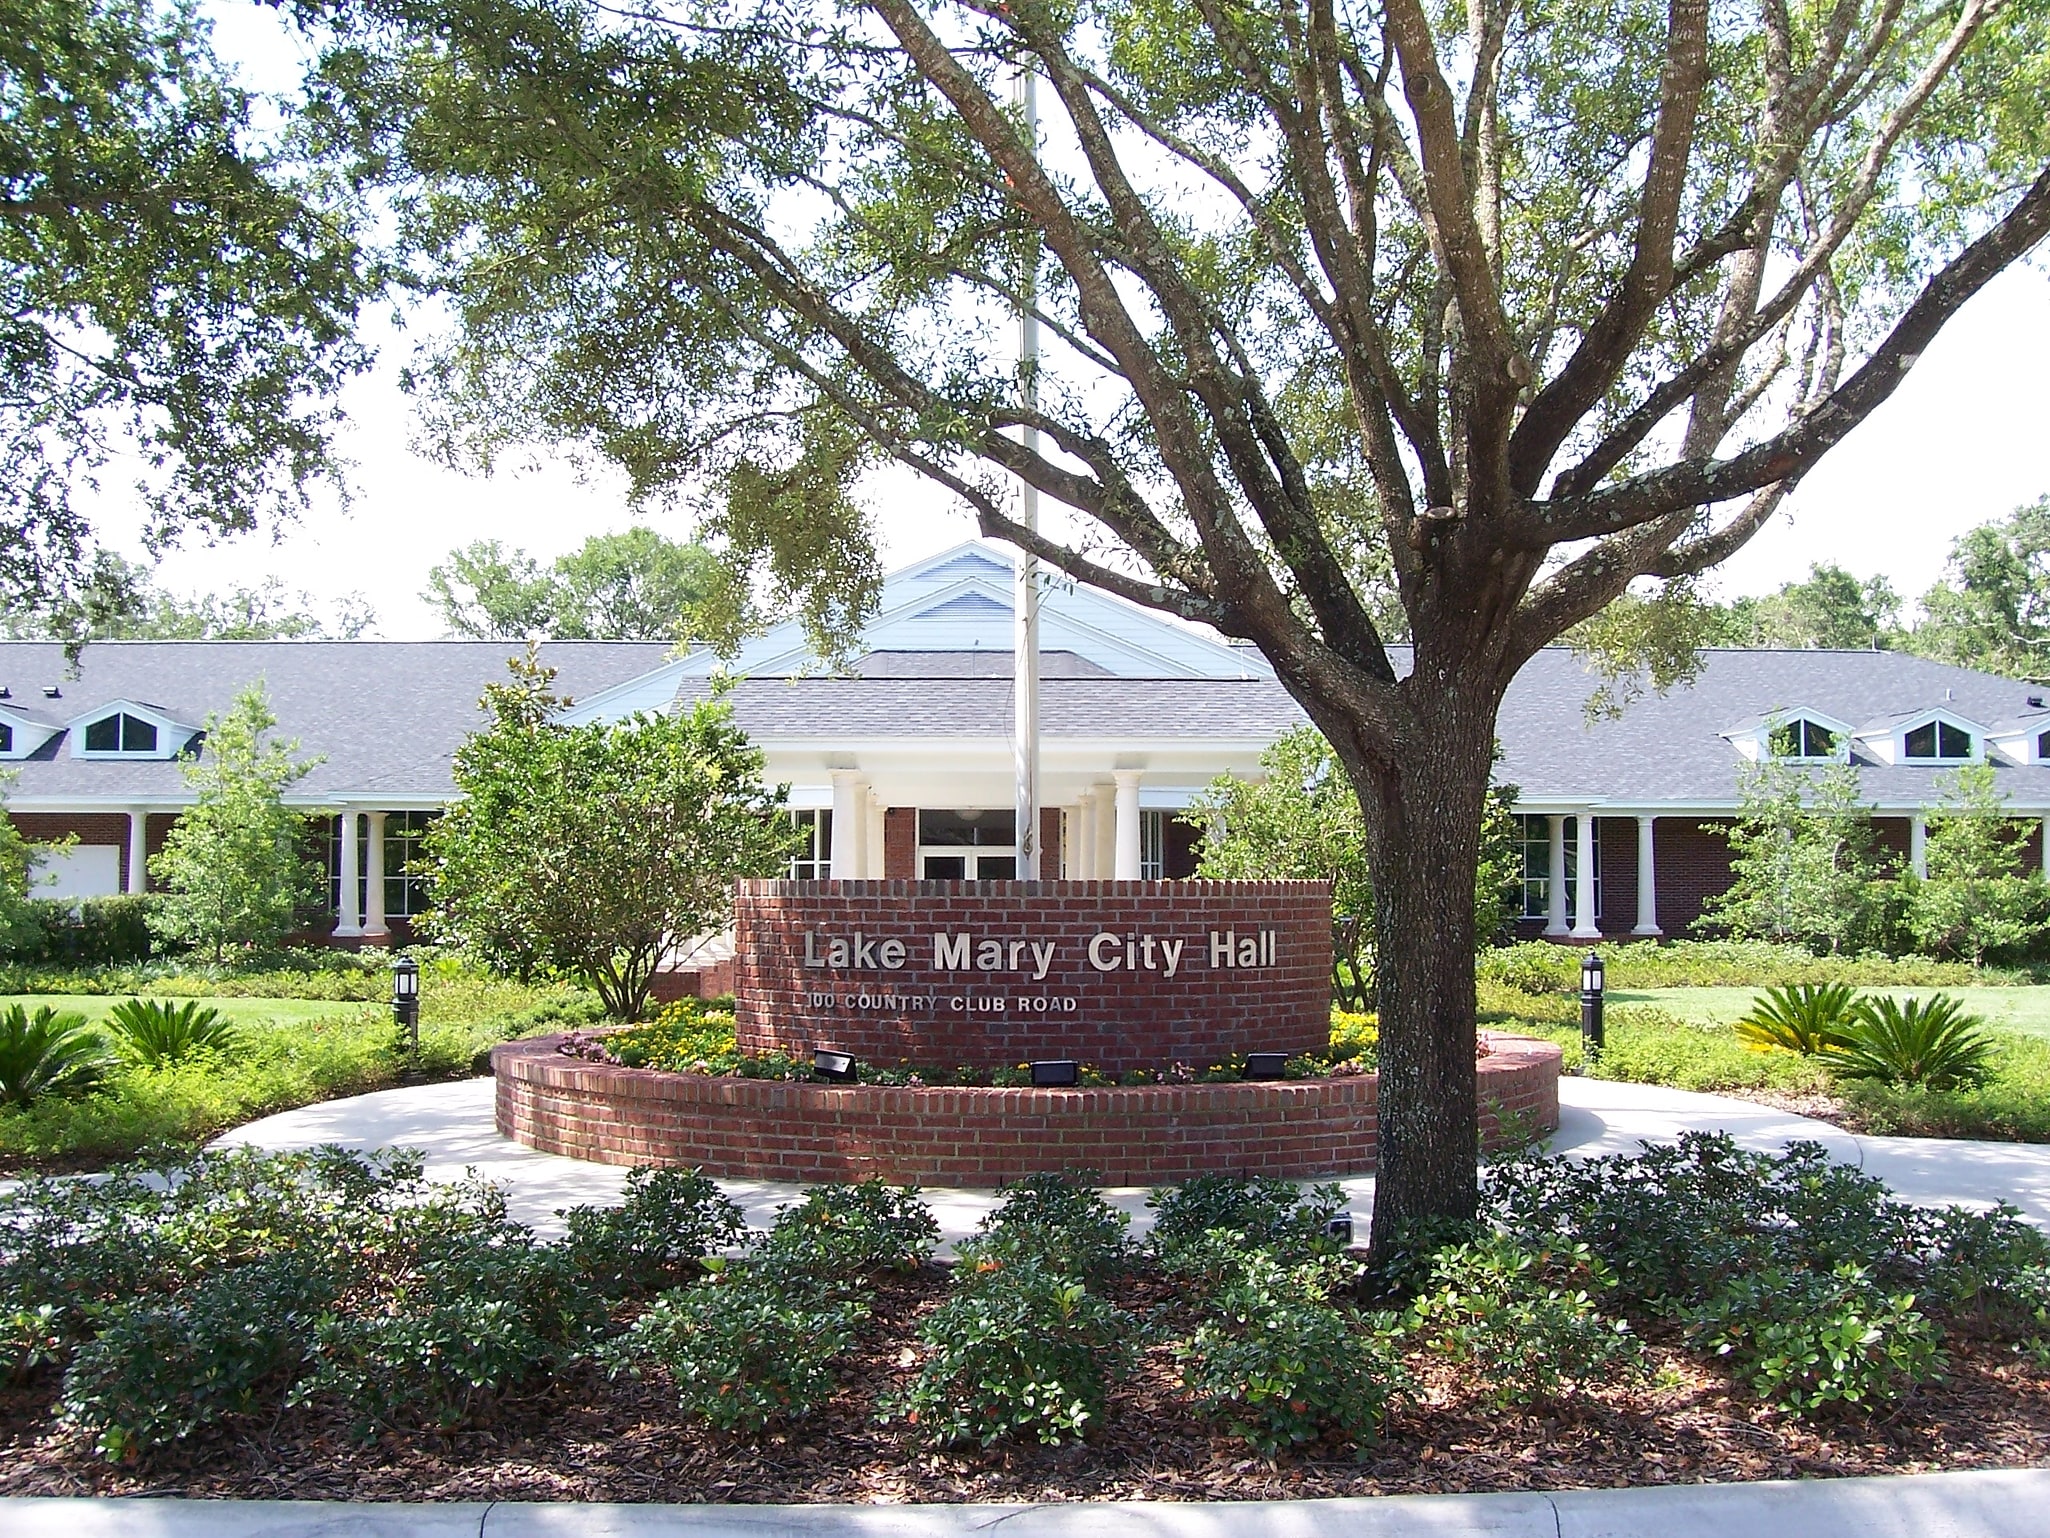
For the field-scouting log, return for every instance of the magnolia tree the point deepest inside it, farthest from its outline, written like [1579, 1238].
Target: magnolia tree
[594, 851]
[1362, 321]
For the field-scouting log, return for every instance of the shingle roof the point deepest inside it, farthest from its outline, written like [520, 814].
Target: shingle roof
[385, 716]
[955, 707]
[1670, 749]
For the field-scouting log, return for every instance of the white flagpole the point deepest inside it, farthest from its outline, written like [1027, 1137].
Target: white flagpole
[1025, 600]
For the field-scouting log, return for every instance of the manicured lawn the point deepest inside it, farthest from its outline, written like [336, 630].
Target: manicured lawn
[2025, 1011]
[289, 1051]
[94, 1006]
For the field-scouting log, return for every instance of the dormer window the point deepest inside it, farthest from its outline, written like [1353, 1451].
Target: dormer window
[1938, 742]
[1802, 738]
[2043, 746]
[120, 733]
[6, 738]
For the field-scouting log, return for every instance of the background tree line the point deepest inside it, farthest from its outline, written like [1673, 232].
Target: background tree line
[1990, 608]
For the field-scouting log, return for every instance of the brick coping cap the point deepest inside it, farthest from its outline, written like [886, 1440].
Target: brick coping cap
[536, 1059]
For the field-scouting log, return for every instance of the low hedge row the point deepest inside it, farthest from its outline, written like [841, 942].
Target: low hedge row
[246, 1285]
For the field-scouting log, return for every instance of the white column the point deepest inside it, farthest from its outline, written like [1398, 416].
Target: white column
[1918, 844]
[138, 851]
[1127, 816]
[1083, 866]
[374, 926]
[2046, 846]
[1106, 832]
[1647, 881]
[1584, 926]
[872, 855]
[846, 852]
[349, 913]
[1555, 888]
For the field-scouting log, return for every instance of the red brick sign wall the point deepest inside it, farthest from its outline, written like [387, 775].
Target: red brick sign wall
[1118, 974]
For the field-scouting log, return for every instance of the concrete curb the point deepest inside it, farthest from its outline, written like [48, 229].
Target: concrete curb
[1998, 1503]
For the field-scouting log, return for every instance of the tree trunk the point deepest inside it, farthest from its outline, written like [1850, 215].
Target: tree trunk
[1423, 817]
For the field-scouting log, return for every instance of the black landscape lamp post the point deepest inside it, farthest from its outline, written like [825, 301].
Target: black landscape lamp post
[1591, 1034]
[405, 1001]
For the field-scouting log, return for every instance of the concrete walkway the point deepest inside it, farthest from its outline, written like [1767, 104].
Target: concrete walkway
[1993, 1504]
[451, 1125]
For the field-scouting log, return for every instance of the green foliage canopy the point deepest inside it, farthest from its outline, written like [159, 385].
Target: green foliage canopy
[1484, 314]
[635, 586]
[176, 296]
[235, 862]
[594, 851]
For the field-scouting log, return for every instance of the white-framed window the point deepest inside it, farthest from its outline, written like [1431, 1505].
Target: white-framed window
[1536, 845]
[405, 881]
[1937, 741]
[813, 860]
[1153, 845]
[1802, 738]
[122, 734]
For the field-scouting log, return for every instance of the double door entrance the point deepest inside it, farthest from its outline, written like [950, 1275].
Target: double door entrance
[971, 845]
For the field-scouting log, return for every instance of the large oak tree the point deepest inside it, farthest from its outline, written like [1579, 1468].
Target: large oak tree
[1362, 319]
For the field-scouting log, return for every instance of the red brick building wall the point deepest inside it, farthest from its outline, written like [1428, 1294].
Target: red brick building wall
[772, 1130]
[900, 843]
[1129, 1015]
[87, 828]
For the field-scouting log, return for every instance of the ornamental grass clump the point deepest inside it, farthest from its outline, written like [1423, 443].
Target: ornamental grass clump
[156, 1032]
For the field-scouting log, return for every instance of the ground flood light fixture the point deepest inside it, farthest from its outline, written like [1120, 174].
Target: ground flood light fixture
[1056, 1073]
[1266, 1065]
[834, 1067]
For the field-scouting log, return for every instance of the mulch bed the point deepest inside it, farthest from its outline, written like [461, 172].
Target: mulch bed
[585, 1438]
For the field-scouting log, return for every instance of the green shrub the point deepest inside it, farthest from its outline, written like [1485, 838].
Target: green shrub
[1521, 1319]
[745, 1347]
[47, 1054]
[1202, 1230]
[1018, 1348]
[854, 1230]
[475, 1310]
[1681, 1220]
[1805, 1018]
[1279, 1369]
[155, 1031]
[1806, 1339]
[159, 1370]
[99, 931]
[1930, 1044]
[1060, 1220]
[1540, 968]
[666, 1223]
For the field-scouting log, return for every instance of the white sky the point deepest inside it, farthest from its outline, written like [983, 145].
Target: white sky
[1966, 438]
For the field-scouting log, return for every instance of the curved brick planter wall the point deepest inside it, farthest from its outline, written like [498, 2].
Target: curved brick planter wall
[766, 1129]
[1127, 974]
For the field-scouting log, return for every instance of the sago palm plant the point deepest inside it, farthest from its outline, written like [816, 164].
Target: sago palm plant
[46, 1053]
[1808, 1018]
[156, 1031]
[1930, 1044]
